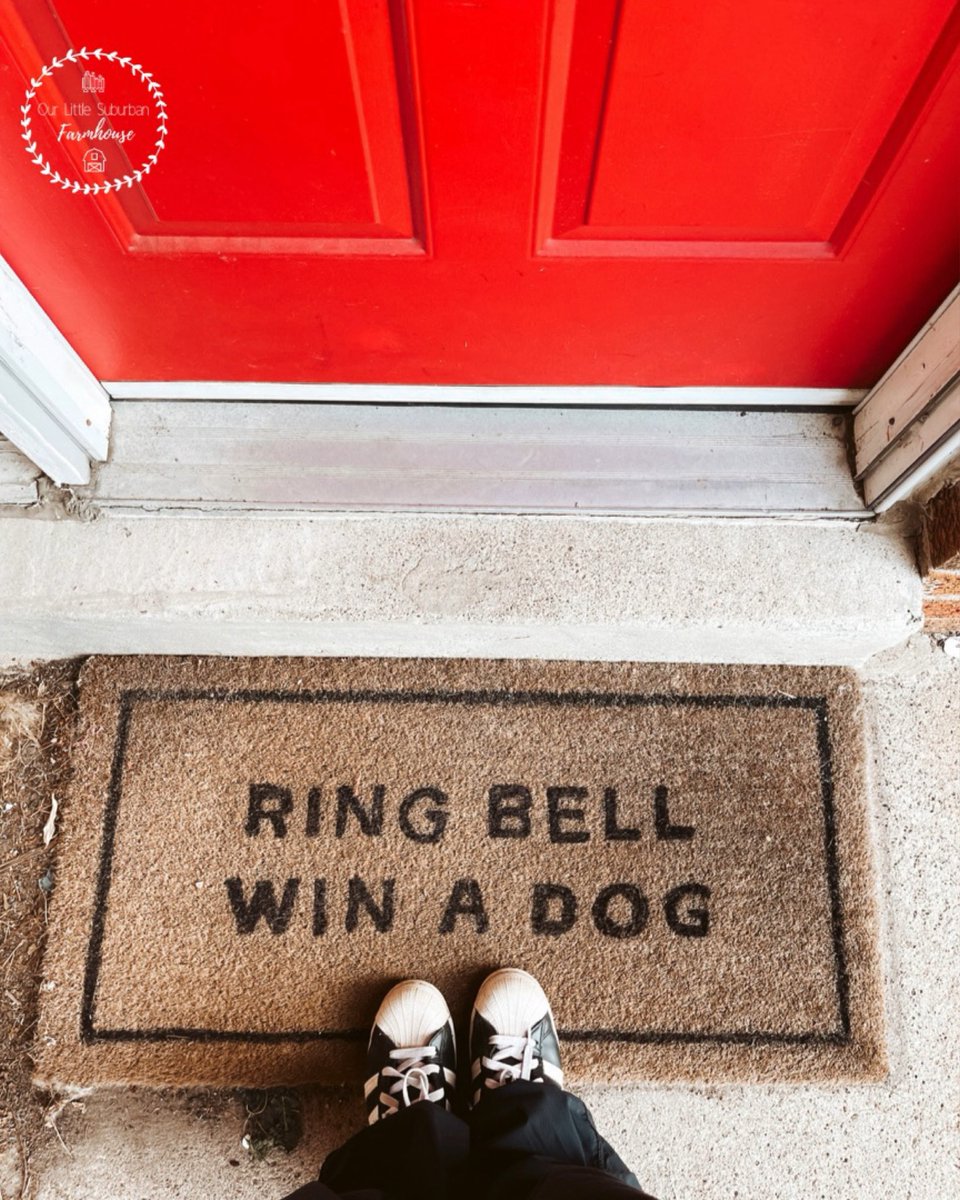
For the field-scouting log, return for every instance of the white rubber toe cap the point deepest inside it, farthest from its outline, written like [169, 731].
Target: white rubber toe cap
[512, 1001]
[412, 1012]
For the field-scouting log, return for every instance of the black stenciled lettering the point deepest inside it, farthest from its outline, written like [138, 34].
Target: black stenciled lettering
[558, 812]
[466, 899]
[381, 914]
[370, 820]
[697, 923]
[639, 910]
[319, 907]
[263, 903]
[280, 802]
[545, 895]
[434, 815]
[313, 811]
[666, 831]
[509, 802]
[613, 831]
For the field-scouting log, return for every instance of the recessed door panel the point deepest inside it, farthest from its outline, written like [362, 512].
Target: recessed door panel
[734, 132]
[289, 123]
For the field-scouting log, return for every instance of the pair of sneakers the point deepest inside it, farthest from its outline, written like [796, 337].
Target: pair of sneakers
[412, 1055]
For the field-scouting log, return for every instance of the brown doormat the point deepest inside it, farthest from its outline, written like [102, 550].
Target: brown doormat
[252, 850]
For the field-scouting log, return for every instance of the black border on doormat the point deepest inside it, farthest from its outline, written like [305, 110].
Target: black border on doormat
[130, 697]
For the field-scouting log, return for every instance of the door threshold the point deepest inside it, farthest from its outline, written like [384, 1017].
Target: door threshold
[235, 456]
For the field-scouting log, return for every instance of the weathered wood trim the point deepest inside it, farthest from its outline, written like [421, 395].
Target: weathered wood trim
[907, 424]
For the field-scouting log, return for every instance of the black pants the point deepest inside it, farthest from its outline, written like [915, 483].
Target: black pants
[523, 1141]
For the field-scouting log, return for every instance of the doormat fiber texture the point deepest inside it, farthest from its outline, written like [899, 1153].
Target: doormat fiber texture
[253, 850]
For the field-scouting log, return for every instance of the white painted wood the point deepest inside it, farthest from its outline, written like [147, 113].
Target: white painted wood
[26, 421]
[18, 476]
[210, 455]
[927, 445]
[913, 383]
[51, 406]
[401, 393]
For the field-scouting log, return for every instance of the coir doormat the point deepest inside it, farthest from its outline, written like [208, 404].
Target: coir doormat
[254, 849]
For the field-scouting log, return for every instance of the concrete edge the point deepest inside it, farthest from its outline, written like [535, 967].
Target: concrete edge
[472, 586]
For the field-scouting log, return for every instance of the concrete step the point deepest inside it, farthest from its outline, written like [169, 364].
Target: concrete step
[603, 588]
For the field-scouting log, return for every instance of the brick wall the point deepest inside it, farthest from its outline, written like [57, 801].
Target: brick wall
[940, 561]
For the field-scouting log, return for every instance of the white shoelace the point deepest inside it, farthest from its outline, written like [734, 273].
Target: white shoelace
[508, 1046]
[412, 1072]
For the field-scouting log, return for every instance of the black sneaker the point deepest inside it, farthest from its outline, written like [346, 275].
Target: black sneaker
[512, 1033]
[412, 1055]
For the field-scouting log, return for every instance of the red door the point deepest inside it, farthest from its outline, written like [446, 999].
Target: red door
[740, 192]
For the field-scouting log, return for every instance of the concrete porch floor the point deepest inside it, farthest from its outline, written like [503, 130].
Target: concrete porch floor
[899, 1137]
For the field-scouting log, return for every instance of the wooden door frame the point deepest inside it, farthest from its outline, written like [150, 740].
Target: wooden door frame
[908, 426]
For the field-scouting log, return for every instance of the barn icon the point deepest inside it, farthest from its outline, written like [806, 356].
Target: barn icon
[94, 161]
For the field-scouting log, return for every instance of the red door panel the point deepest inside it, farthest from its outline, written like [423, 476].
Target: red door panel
[312, 149]
[512, 191]
[732, 137]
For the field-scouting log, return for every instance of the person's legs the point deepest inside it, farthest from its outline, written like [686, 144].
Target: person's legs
[415, 1153]
[533, 1139]
[413, 1145]
[529, 1138]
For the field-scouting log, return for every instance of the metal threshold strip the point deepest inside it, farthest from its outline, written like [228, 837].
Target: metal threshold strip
[222, 456]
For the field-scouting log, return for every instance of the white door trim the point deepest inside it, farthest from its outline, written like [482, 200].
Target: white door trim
[51, 406]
